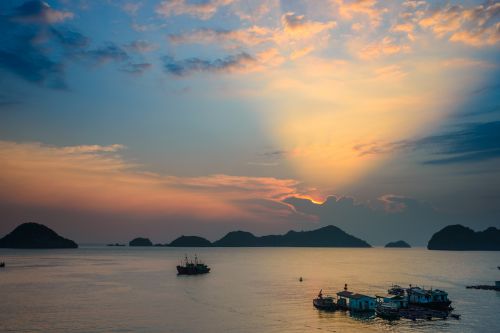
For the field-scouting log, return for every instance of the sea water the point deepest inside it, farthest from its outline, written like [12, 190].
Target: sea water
[123, 289]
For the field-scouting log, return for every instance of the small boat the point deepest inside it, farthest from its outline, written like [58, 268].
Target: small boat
[324, 303]
[455, 315]
[2, 264]
[190, 268]
[388, 311]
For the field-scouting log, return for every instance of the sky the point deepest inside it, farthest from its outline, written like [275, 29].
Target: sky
[150, 118]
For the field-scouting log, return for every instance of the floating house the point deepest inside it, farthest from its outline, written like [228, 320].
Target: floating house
[348, 300]
[436, 298]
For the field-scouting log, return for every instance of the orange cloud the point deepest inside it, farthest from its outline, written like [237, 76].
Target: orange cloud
[97, 178]
[387, 46]
[476, 26]
[367, 8]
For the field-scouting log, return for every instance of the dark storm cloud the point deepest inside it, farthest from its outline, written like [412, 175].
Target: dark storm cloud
[192, 65]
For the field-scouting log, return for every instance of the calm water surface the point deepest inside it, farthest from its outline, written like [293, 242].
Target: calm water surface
[99, 289]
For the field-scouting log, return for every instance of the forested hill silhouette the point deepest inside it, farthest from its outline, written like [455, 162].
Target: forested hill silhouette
[459, 238]
[35, 236]
[329, 236]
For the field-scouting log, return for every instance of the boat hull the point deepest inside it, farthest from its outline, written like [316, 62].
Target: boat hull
[440, 306]
[181, 270]
[321, 304]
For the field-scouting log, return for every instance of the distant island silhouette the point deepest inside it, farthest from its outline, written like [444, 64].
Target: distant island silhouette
[140, 241]
[399, 243]
[35, 236]
[190, 241]
[329, 236]
[459, 238]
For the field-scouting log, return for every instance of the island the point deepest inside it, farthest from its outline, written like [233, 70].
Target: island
[329, 236]
[459, 238]
[190, 241]
[140, 241]
[35, 236]
[399, 244]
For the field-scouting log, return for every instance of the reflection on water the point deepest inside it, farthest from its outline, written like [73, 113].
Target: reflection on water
[98, 289]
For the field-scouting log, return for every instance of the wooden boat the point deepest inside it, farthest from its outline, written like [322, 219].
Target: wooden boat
[190, 268]
[324, 303]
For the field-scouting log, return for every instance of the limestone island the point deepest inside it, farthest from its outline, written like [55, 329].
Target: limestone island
[399, 243]
[35, 236]
[459, 238]
[190, 241]
[329, 236]
[140, 241]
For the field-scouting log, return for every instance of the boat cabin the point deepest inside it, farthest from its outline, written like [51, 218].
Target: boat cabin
[355, 302]
[399, 301]
[422, 296]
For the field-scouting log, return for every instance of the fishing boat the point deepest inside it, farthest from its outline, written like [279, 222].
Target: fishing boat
[192, 268]
[324, 303]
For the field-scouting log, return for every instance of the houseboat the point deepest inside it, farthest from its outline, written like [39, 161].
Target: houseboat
[192, 268]
[428, 298]
[325, 303]
[348, 300]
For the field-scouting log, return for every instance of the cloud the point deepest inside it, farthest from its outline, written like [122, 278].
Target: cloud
[40, 12]
[476, 26]
[132, 8]
[233, 63]
[95, 178]
[473, 142]
[250, 36]
[26, 32]
[136, 68]
[348, 10]
[388, 218]
[105, 54]
[386, 47]
[200, 9]
[141, 46]
[298, 27]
